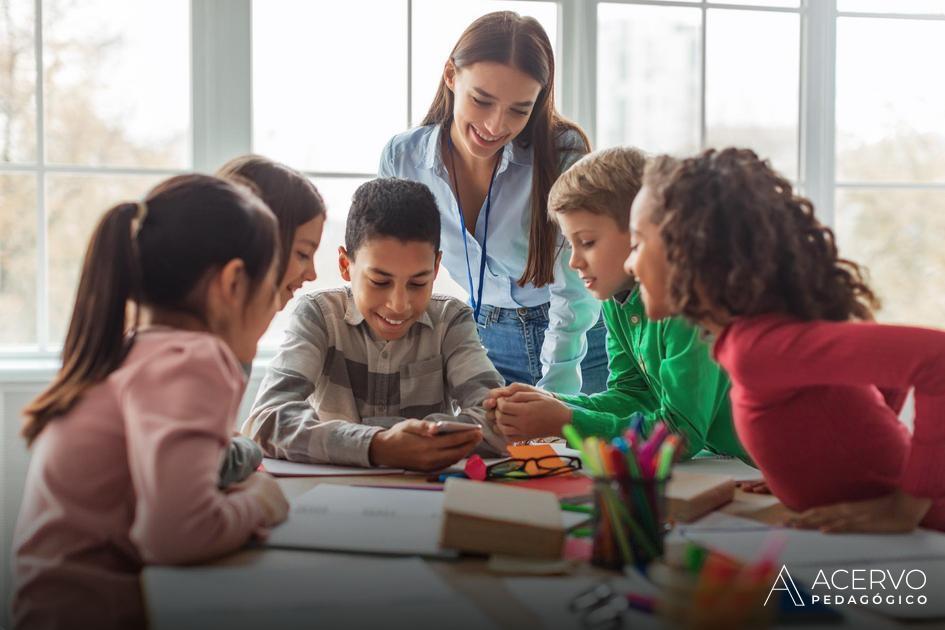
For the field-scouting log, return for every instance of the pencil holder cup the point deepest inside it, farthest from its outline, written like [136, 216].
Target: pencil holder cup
[629, 521]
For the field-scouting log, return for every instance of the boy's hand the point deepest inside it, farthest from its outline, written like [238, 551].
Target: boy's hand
[411, 444]
[528, 414]
[492, 401]
[514, 388]
[896, 512]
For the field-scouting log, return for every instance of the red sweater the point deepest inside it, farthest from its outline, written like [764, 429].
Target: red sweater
[808, 406]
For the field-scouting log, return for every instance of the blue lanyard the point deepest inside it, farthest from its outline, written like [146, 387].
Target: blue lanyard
[475, 303]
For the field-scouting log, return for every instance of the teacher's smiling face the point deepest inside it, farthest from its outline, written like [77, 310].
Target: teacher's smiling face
[492, 103]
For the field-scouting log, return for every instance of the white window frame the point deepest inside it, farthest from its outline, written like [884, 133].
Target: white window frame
[221, 88]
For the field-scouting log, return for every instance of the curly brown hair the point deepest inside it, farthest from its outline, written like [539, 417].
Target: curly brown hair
[738, 238]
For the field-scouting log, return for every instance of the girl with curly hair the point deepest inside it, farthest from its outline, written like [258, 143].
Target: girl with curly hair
[723, 239]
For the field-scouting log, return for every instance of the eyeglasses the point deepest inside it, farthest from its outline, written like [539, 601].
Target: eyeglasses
[545, 466]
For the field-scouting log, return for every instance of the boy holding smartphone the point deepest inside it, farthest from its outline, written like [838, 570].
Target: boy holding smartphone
[365, 372]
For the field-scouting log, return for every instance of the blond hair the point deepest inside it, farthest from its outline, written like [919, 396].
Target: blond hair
[602, 182]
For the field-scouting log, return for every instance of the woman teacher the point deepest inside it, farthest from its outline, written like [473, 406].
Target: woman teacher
[490, 147]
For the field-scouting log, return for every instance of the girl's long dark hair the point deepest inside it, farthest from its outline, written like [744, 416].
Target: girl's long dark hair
[739, 238]
[508, 38]
[192, 225]
[289, 194]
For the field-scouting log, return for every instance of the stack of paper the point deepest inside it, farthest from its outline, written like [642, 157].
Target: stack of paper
[370, 520]
[283, 468]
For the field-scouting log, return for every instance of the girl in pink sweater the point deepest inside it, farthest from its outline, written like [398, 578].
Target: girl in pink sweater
[128, 439]
[722, 239]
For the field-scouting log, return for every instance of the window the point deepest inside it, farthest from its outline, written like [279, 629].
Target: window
[100, 100]
[330, 115]
[890, 152]
[675, 78]
[96, 109]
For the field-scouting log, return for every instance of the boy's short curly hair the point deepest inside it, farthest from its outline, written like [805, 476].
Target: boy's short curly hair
[737, 237]
[395, 208]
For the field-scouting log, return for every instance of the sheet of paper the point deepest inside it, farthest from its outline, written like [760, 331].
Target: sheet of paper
[369, 520]
[573, 519]
[562, 449]
[744, 539]
[283, 589]
[282, 468]
[735, 468]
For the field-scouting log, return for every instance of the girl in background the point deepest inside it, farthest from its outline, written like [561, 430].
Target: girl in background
[489, 149]
[127, 441]
[722, 239]
[298, 207]
[300, 211]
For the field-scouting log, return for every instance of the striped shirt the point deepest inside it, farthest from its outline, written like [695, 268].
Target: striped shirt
[333, 385]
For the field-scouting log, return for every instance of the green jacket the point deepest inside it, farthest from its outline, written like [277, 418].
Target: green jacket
[662, 369]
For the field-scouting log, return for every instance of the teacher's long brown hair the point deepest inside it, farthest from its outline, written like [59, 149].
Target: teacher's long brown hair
[520, 42]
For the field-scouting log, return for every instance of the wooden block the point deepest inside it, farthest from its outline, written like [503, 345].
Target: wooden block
[691, 495]
[493, 518]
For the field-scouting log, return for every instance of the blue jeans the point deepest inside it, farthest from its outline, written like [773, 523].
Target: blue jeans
[513, 339]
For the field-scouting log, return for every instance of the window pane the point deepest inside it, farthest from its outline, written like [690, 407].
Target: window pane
[890, 107]
[648, 77]
[897, 234]
[329, 81]
[337, 193]
[752, 78]
[437, 26]
[74, 204]
[899, 6]
[17, 259]
[17, 81]
[117, 83]
[760, 3]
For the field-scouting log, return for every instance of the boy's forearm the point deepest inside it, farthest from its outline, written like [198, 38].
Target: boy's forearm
[293, 431]
[611, 401]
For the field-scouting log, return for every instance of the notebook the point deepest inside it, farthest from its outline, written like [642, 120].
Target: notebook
[367, 520]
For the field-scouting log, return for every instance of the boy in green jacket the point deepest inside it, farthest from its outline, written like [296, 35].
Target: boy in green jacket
[662, 369]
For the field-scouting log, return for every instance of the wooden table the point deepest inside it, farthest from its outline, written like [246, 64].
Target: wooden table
[470, 576]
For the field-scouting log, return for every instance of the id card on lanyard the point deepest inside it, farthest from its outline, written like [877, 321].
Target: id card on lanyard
[474, 302]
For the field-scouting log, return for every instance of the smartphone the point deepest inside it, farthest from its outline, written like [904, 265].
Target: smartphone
[442, 427]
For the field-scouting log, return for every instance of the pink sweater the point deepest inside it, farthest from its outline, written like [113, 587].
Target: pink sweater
[128, 477]
[807, 406]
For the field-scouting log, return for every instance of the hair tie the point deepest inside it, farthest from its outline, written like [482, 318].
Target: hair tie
[137, 222]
